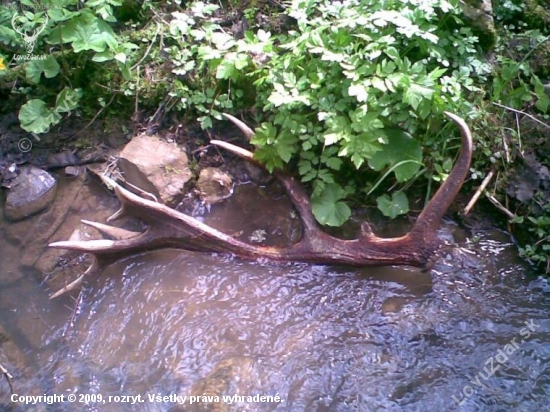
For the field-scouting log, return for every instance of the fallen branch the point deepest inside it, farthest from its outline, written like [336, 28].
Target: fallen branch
[478, 192]
[500, 207]
[522, 112]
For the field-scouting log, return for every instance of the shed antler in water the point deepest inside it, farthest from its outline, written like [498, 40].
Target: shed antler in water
[167, 227]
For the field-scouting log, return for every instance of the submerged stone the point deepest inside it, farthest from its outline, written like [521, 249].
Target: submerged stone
[214, 185]
[32, 191]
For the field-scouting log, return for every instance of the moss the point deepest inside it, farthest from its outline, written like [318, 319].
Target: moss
[540, 60]
[480, 18]
[536, 15]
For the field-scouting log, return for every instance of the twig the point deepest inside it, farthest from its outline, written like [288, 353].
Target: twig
[478, 192]
[97, 114]
[136, 104]
[519, 134]
[148, 49]
[526, 114]
[499, 206]
[74, 284]
[8, 377]
[78, 301]
[69, 287]
[505, 144]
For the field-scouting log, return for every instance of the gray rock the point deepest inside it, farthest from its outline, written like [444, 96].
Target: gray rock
[31, 192]
[214, 185]
[479, 14]
[155, 166]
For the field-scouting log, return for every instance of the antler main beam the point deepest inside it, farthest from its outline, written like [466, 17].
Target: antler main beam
[167, 227]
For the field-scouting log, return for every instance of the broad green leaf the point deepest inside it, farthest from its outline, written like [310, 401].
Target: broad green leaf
[392, 53]
[85, 32]
[397, 205]
[35, 68]
[401, 149]
[286, 146]
[415, 94]
[67, 100]
[226, 70]
[121, 57]
[35, 117]
[328, 208]
[103, 56]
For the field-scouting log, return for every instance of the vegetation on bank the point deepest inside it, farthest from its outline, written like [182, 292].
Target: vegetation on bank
[349, 95]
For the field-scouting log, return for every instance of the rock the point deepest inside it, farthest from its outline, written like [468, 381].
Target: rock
[72, 171]
[479, 15]
[31, 192]
[155, 166]
[214, 185]
[32, 235]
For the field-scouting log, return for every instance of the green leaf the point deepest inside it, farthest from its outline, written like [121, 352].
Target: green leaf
[205, 122]
[35, 68]
[286, 146]
[361, 147]
[35, 117]
[359, 91]
[226, 70]
[401, 148]
[416, 93]
[542, 98]
[103, 56]
[67, 100]
[328, 208]
[397, 205]
[85, 32]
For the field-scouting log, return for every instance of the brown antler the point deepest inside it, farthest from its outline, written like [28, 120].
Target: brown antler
[170, 228]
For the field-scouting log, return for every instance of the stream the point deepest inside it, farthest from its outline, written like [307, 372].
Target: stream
[472, 334]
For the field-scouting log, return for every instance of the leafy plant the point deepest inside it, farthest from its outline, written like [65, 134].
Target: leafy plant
[340, 83]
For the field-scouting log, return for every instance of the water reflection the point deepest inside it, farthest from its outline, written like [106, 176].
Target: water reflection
[321, 338]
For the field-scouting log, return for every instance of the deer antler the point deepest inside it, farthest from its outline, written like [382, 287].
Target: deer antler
[167, 227]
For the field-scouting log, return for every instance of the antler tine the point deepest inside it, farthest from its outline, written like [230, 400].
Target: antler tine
[247, 131]
[112, 231]
[294, 190]
[239, 151]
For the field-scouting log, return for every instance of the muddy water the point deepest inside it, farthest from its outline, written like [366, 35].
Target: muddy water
[312, 338]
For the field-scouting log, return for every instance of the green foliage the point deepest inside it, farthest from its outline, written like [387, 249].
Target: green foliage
[333, 89]
[392, 207]
[402, 153]
[538, 251]
[328, 207]
[210, 65]
[36, 117]
[85, 28]
[342, 80]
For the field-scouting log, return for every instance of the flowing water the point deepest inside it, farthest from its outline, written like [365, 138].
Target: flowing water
[473, 334]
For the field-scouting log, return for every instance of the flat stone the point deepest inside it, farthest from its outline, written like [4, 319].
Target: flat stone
[32, 191]
[155, 166]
